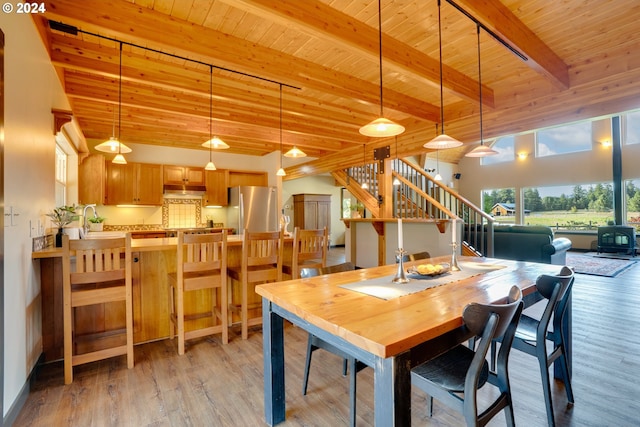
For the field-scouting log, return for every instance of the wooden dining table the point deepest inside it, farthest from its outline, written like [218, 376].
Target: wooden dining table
[389, 335]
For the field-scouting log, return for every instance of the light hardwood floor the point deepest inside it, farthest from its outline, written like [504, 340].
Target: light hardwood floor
[216, 385]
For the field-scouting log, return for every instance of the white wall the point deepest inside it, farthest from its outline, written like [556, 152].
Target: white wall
[31, 91]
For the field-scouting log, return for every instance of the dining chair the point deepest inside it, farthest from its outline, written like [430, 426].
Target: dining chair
[97, 275]
[349, 364]
[309, 251]
[262, 254]
[416, 256]
[533, 334]
[455, 376]
[201, 278]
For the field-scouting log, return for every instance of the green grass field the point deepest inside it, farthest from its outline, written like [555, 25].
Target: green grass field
[581, 220]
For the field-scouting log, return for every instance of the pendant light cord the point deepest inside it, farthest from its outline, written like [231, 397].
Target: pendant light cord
[281, 125]
[480, 83]
[210, 111]
[440, 53]
[380, 52]
[120, 101]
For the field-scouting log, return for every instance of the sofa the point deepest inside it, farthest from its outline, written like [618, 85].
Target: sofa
[530, 243]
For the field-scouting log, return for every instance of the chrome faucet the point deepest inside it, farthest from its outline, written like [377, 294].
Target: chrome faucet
[84, 215]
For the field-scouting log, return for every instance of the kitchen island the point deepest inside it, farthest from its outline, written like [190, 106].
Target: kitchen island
[153, 260]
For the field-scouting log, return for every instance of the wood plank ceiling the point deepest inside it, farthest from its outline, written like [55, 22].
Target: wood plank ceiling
[581, 62]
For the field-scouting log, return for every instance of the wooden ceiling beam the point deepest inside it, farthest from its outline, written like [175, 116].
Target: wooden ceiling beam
[499, 19]
[319, 20]
[212, 46]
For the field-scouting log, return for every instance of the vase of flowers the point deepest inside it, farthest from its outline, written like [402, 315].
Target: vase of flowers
[61, 216]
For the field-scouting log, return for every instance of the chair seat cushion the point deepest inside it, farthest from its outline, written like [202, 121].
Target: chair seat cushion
[449, 369]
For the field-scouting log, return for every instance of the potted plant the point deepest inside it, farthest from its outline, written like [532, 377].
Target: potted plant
[61, 216]
[96, 223]
[356, 210]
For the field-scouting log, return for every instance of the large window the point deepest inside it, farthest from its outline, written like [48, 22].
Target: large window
[500, 203]
[578, 207]
[505, 148]
[564, 139]
[61, 177]
[632, 194]
[631, 124]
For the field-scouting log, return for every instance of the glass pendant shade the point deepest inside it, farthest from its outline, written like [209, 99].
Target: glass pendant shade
[481, 151]
[364, 186]
[295, 152]
[111, 146]
[438, 177]
[119, 159]
[396, 181]
[442, 141]
[215, 143]
[381, 128]
[281, 172]
[210, 166]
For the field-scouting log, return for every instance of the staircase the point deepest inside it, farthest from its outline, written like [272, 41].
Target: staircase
[417, 195]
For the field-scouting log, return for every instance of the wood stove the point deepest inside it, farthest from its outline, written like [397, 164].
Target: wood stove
[617, 238]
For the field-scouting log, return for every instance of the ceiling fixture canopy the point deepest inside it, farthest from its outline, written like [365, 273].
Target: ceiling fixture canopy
[381, 127]
[481, 150]
[443, 140]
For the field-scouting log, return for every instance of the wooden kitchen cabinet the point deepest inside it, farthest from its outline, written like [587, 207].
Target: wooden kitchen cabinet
[91, 174]
[183, 175]
[217, 183]
[312, 211]
[134, 184]
[242, 178]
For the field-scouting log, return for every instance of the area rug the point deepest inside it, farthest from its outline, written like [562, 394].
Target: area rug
[597, 265]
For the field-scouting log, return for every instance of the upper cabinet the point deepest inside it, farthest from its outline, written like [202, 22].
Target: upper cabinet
[183, 175]
[91, 179]
[217, 183]
[242, 178]
[134, 184]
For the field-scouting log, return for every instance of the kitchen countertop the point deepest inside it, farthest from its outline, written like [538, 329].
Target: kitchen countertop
[142, 245]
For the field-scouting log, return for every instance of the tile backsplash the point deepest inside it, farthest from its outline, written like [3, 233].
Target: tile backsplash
[181, 213]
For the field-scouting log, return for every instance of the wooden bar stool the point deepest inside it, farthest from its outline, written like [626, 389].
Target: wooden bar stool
[262, 254]
[99, 275]
[309, 251]
[201, 266]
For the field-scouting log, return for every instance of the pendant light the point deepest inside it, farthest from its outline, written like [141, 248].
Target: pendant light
[381, 127]
[438, 177]
[364, 185]
[281, 171]
[443, 140]
[481, 150]
[295, 152]
[111, 145]
[119, 158]
[210, 166]
[214, 143]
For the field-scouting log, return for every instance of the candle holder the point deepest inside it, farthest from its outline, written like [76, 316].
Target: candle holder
[400, 274]
[454, 257]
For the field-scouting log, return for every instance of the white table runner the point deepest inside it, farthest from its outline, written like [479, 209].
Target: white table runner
[383, 288]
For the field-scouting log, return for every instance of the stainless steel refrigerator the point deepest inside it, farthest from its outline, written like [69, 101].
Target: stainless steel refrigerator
[253, 208]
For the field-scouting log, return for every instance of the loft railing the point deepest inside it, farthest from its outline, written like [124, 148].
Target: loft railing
[420, 196]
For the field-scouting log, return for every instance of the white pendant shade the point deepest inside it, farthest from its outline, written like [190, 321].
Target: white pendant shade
[438, 177]
[111, 146]
[119, 159]
[215, 143]
[295, 152]
[481, 151]
[442, 141]
[281, 172]
[210, 166]
[396, 181]
[381, 128]
[364, 186]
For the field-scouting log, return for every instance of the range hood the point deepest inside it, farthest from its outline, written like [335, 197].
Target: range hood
[185, 189]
